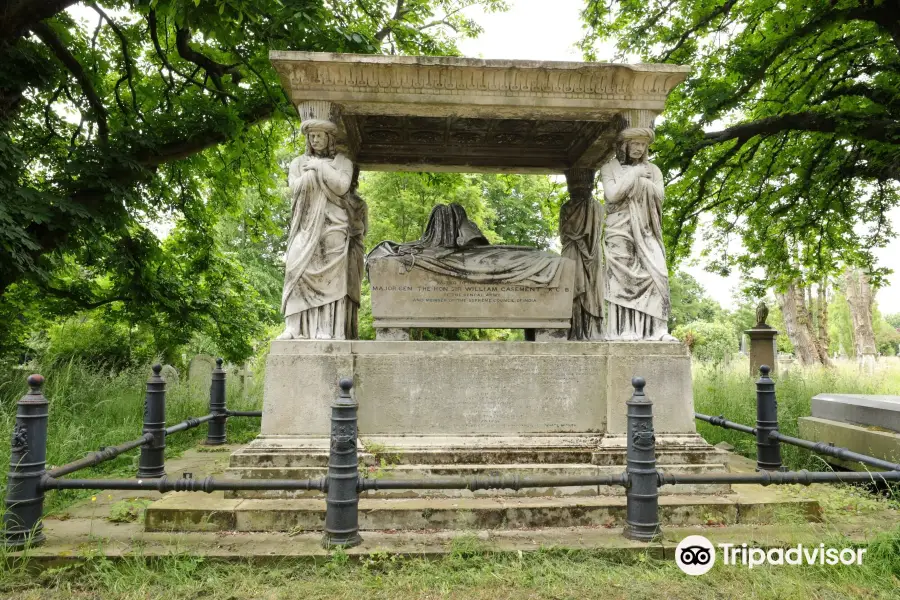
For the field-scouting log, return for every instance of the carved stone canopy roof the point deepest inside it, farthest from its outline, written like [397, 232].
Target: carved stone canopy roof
[427, 113]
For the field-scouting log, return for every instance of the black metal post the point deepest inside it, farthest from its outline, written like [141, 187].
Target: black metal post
[152, 463]
[215, 433]
[768, 450]
[24, 494]
[642, 495]
[342, 500]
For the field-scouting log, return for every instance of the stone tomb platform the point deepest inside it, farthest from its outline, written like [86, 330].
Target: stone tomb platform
[475, 408]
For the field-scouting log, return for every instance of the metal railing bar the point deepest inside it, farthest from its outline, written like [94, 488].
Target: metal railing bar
[818, 447]
[243, 413]
[720, 421]
[164, 484]
[95, 458]
[778, 477]
[489, 482]
[189, 424]
[835, 451]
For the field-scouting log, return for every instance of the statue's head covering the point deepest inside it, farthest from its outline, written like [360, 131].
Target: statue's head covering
[318, 125]
[638, 133]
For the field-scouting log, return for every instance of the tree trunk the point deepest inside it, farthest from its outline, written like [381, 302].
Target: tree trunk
[860, 297]
[823, 341]
[797, 323]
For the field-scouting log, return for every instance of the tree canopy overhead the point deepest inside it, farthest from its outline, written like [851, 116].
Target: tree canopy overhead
[160, 111]
[787, 132]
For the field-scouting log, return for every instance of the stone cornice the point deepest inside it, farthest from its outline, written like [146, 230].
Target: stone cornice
[428, 85]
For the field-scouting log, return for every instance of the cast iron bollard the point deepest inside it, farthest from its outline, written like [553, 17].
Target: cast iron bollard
[642, 495]
[342, 501]
[24, 495]
[768, 450]
[152, 463]
[215, 432]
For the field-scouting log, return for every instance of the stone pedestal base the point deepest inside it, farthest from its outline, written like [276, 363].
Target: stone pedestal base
[472, 388]
[763, 350]
[476, 408]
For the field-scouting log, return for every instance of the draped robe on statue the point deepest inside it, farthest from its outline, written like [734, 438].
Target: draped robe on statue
[316, 263]
[580, 227]
[637, 278]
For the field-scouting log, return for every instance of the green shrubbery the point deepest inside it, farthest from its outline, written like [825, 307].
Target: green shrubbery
[708, 342]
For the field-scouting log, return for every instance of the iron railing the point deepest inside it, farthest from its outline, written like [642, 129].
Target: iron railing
[28, 478]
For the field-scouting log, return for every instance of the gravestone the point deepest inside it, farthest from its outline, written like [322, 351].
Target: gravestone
[200, 372]
[170, 375]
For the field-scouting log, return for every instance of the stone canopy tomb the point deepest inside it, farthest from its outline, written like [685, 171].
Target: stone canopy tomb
[597, 313]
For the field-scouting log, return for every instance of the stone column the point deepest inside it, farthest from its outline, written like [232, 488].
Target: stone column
[639, 117]
[580, 230]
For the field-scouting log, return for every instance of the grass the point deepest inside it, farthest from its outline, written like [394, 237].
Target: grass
[91, 408]
[467, 572]
[731, 392]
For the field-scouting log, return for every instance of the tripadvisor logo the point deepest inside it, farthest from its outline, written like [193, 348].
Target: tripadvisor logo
[695, 555]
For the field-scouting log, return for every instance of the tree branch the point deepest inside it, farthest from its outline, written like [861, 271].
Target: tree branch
[46, 34]
[879, 130]
[387, 29]
[214, 69]
[194, 143]
[126, 57]
[722, 10]
[818, 25]
[18, 17]
[78, 299]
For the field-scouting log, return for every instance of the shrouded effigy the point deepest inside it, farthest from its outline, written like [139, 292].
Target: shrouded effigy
[454, 246]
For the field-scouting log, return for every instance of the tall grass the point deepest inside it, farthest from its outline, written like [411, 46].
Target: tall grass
[91, 407]
[731, 392]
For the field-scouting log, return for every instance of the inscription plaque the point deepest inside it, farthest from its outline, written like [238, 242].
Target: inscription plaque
[405, 297]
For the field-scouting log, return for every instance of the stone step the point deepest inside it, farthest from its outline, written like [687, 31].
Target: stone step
[700, 454]
[471, 470]
[185, 511]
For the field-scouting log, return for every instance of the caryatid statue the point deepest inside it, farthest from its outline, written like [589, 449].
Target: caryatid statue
[580, 230]
[637, 280]
[322, 262]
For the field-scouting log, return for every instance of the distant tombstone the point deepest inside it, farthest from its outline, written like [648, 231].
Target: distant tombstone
[243, 376]
[170, 375]
[200, 371]
[786, 362]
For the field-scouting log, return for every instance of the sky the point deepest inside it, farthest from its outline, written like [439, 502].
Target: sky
[530, 31]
